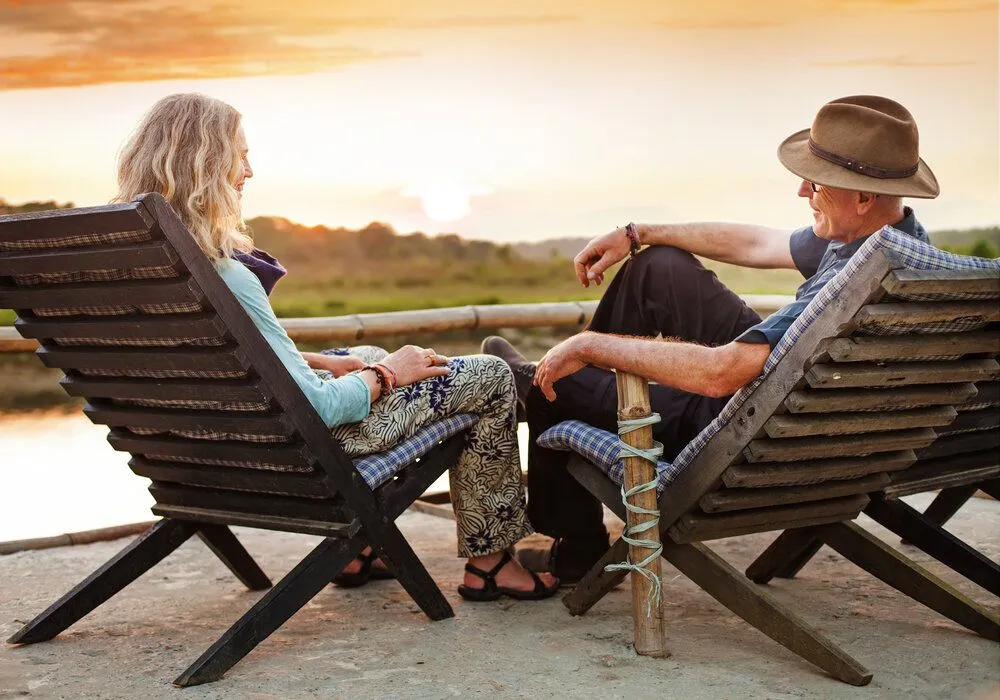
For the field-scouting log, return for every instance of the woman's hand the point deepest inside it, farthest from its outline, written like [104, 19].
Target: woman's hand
[338, 365]
[600, 254]
[412, 363]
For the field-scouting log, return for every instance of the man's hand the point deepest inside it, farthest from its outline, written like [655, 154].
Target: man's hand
[600, 254]
[561, 361]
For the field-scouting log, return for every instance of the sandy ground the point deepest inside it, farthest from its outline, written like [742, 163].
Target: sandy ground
[374, 641]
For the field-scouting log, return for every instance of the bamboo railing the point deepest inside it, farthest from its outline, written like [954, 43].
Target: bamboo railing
[363, 327]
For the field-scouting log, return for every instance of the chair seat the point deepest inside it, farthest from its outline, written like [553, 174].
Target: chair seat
[376, 469]
[599, 447]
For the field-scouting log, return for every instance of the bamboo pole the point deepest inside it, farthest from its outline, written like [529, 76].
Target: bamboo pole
[350, 329]
[647, 617]
[70, 538]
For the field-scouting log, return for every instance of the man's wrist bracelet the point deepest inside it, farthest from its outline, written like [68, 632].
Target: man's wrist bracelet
[633, 239]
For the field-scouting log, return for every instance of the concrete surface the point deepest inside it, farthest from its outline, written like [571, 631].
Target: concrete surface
[374, 641]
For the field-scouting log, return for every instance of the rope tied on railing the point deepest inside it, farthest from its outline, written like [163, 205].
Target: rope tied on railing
[629, 535]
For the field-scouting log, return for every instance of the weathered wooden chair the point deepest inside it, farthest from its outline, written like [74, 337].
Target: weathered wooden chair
[964, 459]
[880, 359]
[125, 303]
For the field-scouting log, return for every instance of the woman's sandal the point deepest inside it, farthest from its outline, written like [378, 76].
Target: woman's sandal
[491, 591]
[364, 574]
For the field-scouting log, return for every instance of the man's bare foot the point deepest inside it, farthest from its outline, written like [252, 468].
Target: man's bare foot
[513, 575]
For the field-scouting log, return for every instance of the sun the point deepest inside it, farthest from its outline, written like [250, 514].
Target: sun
[446, 201]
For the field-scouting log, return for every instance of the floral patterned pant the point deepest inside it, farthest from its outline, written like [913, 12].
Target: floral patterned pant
[486, 489]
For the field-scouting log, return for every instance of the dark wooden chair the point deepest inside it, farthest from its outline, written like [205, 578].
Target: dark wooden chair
[964, 459]
[125, 303]
[879, 362]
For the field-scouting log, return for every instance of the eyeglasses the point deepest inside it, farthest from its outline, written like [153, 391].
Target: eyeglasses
[815, 187]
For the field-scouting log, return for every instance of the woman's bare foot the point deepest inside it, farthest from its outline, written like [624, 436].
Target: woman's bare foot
[513, 575]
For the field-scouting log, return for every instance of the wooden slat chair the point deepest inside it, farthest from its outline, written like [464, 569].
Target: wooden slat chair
[125, 303]
[875, 364]
[965, 458]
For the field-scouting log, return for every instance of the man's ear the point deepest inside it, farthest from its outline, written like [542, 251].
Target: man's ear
[865, 201]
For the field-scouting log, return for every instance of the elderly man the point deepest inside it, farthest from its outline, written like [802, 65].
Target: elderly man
[856, 163]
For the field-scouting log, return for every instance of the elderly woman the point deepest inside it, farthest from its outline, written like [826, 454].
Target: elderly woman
[191, 149]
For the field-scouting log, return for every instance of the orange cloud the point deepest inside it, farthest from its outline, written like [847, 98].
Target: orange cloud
[139, 40]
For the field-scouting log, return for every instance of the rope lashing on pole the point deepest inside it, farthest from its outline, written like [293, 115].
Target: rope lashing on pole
[630, 533]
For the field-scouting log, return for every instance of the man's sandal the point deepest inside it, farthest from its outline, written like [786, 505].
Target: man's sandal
[366, 573]
[491, 591]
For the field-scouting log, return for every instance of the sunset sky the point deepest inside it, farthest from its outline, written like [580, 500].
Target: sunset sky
[506, 120]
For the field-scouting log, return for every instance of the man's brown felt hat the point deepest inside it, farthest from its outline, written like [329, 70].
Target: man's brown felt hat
[862, 143]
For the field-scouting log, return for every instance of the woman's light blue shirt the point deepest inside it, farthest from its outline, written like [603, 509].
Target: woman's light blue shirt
[338, 401]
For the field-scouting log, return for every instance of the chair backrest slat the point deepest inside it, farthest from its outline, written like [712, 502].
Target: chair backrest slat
[155, 292]
[179, 327]
[264, 424]
[230, 391]
[918, 313]
[814, 471]
[743, 499]
[801, 425]
[912, 346]
[694, 527]
[141, 255]
[220, 477]
[249, 503]
[153, 362]
[792, 449]
[942, 282]
[265, 457]
[805, 401]
[969, 421]
[85, 226]
[842, 375]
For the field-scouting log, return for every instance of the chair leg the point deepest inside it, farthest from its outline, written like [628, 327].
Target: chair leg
[991, 487]
[221, 540]
[947, 503]
[142, 554]
[597, 582]
[724, 583]
[931, 538]
[882, 561]
[785, 556]
[297, 588]
[411, 574]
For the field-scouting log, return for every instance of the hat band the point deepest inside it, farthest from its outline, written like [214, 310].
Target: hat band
[862, 168]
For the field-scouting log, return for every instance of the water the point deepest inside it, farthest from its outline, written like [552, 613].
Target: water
[58, 474]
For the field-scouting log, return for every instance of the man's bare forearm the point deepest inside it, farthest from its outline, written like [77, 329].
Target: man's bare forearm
[709, 371]
[740, 244]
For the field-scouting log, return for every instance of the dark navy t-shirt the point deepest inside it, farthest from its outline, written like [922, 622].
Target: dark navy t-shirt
[818, 260]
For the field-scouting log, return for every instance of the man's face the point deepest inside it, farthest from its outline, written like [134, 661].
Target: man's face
[835, 213]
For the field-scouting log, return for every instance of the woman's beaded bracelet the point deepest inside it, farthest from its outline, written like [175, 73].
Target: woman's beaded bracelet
[381, 377]
[391, 373]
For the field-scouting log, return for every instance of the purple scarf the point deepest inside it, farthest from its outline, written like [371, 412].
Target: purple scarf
[266, 267]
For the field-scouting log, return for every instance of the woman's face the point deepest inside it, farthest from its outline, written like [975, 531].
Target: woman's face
[247, 172]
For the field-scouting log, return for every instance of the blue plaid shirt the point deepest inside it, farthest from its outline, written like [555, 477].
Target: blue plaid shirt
[818, 260]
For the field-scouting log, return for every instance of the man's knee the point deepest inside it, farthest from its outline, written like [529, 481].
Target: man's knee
[660, 260]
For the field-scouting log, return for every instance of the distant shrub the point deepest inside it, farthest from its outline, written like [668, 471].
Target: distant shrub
[983, 249]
